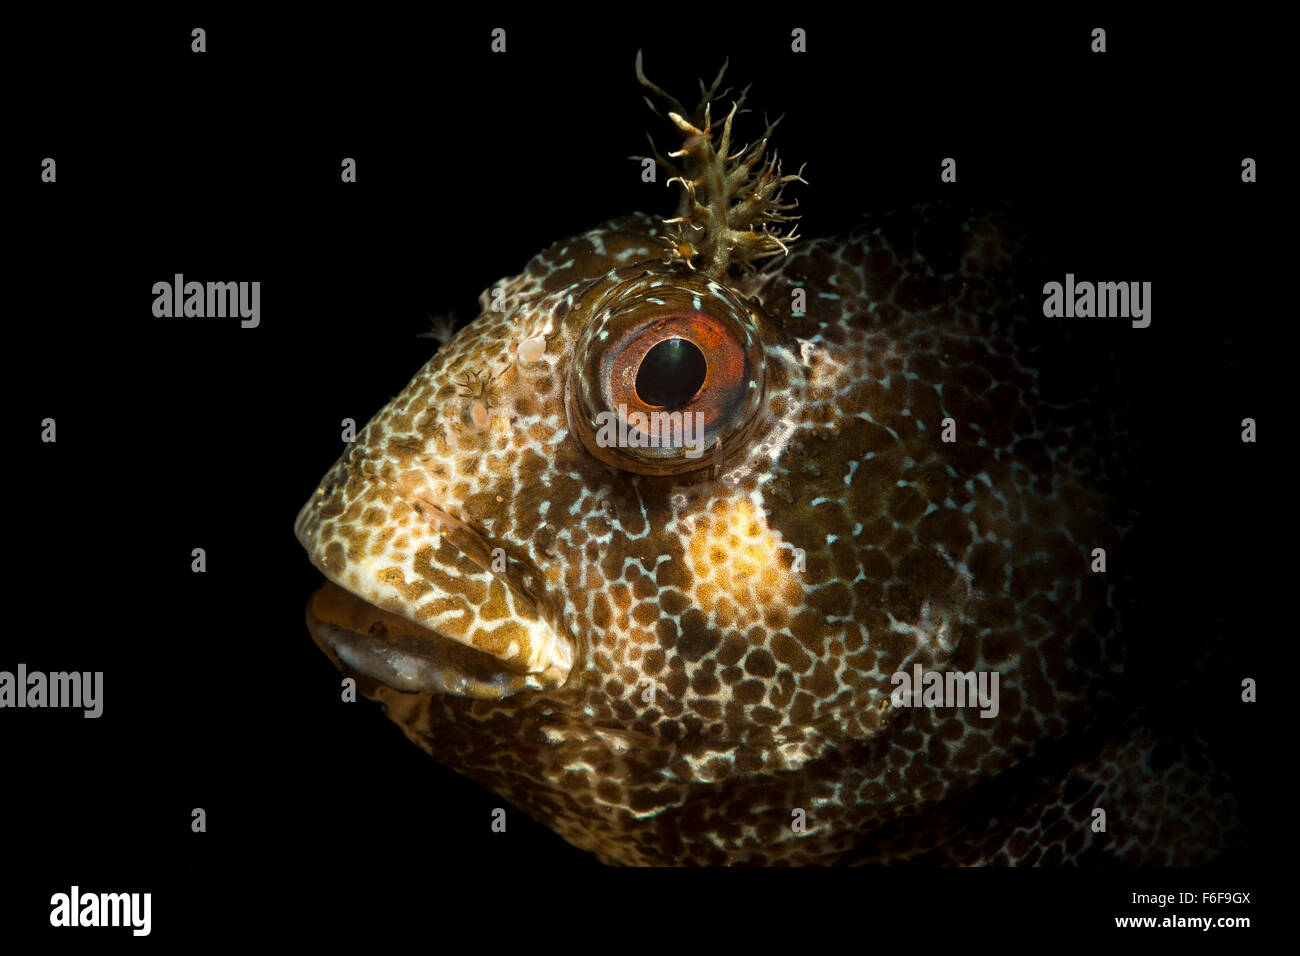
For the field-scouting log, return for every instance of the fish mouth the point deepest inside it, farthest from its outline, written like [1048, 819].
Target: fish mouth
[426, 603]
[398, 653]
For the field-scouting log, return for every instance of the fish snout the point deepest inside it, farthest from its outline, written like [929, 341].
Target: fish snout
[418, 599]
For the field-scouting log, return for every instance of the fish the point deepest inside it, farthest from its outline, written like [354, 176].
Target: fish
[708, 544]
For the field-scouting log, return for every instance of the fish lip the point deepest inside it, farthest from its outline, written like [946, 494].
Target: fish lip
[421, 660]
[549, 667]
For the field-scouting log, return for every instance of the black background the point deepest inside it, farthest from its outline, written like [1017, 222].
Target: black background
[323, 820]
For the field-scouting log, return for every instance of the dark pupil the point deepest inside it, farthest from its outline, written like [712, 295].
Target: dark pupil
[671, 373]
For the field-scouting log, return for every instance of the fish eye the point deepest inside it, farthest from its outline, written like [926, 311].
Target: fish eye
[668, 376]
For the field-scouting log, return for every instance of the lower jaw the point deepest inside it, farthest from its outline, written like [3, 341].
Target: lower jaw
[370, 642]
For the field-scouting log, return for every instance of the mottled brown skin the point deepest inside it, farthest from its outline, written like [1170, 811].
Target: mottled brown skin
[771, 680]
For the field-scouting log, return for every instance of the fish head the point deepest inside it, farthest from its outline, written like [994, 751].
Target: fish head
[453, 513]
[601, 626]
[514, 519]
[645, 546]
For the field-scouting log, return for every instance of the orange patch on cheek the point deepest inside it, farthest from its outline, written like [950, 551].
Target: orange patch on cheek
[742, 558]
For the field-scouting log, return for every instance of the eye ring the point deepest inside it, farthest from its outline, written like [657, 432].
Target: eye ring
[637, 316]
